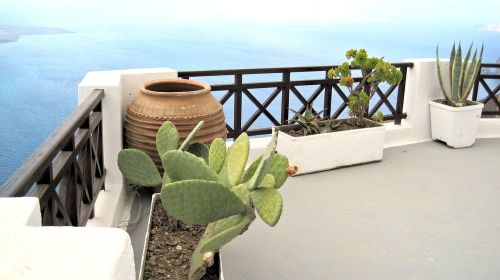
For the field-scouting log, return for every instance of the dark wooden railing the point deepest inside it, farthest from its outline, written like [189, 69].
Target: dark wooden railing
[487, 89]
[334, 101]
[66, 172]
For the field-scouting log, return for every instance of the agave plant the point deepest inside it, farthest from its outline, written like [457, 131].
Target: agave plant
[309, 121]
[462, 75]
[211, 186]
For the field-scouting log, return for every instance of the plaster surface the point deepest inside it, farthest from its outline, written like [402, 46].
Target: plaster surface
[425, 212]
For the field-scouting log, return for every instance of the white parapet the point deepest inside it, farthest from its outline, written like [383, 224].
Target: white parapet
[30, 251]
[65, 253]
[119, 87]
[20, 211]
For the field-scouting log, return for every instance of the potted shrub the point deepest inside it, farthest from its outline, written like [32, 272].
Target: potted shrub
[206, 192]
[314, 145]
[454, 119]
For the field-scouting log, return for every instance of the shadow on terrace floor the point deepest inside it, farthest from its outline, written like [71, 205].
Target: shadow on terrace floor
[425, 212]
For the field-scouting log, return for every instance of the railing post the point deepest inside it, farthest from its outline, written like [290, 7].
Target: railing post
[285, 97]
[327, 105]
[238, 81]
[401, 97]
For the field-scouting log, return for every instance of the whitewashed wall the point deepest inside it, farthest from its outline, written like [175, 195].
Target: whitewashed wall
[120, 87]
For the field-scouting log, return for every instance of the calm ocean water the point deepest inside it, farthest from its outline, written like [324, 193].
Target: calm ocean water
[39, 74]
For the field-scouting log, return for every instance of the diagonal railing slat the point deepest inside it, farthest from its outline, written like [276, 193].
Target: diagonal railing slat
[287, 87]
[54, 173]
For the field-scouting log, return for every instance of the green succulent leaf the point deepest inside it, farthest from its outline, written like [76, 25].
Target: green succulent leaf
[268, 203]
[138, 168]
[268, 182]
[197, 268]
[200, 150]
[165, 180]
[217, 154]
[242, 193]
[279, 169]
[264, 165]
[235, 162]
[167, 138]
[180, 165]
[200, 202]
[191, 136]
[251, 170]
[222, 231]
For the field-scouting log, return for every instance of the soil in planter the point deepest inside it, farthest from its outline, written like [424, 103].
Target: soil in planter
[170, 248]
[340, 125]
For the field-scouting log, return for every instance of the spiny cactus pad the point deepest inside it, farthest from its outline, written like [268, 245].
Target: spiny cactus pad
[268, 182]
[221, 232]
[200, 202]
[268, 203]
[278, 169]
[167, 138]
[264, 164]
[231, 171]
[138, 168]
[242, 193]
[191, 136]
[217, 154]
[200, 150]
[197, 268]
[236, 161]
[251, 170]
[182, 165]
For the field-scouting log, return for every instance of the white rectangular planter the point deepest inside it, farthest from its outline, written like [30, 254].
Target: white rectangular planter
[332, 150]
[456, 126]
[156, 196]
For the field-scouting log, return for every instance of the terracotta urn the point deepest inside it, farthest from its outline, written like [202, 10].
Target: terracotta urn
[184, 103]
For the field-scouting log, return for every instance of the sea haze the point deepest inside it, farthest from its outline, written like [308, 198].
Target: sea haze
[39, 72]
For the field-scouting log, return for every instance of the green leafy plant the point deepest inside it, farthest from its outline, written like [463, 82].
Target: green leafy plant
[309, 121]
[374, 71]
[462, 74]
[211, 188]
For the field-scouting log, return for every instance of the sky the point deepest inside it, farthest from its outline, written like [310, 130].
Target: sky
[485, 14]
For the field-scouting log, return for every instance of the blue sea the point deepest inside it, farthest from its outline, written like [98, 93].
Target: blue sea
[39, 74]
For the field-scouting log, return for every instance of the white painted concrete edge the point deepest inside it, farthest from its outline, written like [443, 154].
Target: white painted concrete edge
[20, 211]
[120, 87]
[65, 253]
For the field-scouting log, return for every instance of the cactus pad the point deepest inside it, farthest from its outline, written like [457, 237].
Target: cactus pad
[221, 232]
[199, 201]
[217, 154]
[138, 168]
[268, 182]
[236, 161]
[279, 169]
[167, 138]
[268, 203]
[251, 170]
[264, 164]
[242, 193]
[184, 166]
[200, 150]
[191, 136]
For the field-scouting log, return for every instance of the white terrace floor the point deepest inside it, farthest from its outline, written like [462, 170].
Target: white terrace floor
[425, 212]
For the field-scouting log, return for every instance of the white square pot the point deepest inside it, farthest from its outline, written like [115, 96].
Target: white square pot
[456, 126]
[326, 151]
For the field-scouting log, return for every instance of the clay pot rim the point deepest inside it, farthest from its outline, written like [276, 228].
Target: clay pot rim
[205, 87]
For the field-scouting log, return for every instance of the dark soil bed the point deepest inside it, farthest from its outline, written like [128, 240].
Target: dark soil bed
[170, 248]
[339, 125]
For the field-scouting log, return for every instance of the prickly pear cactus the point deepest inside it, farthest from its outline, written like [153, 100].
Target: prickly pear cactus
[210, 186]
